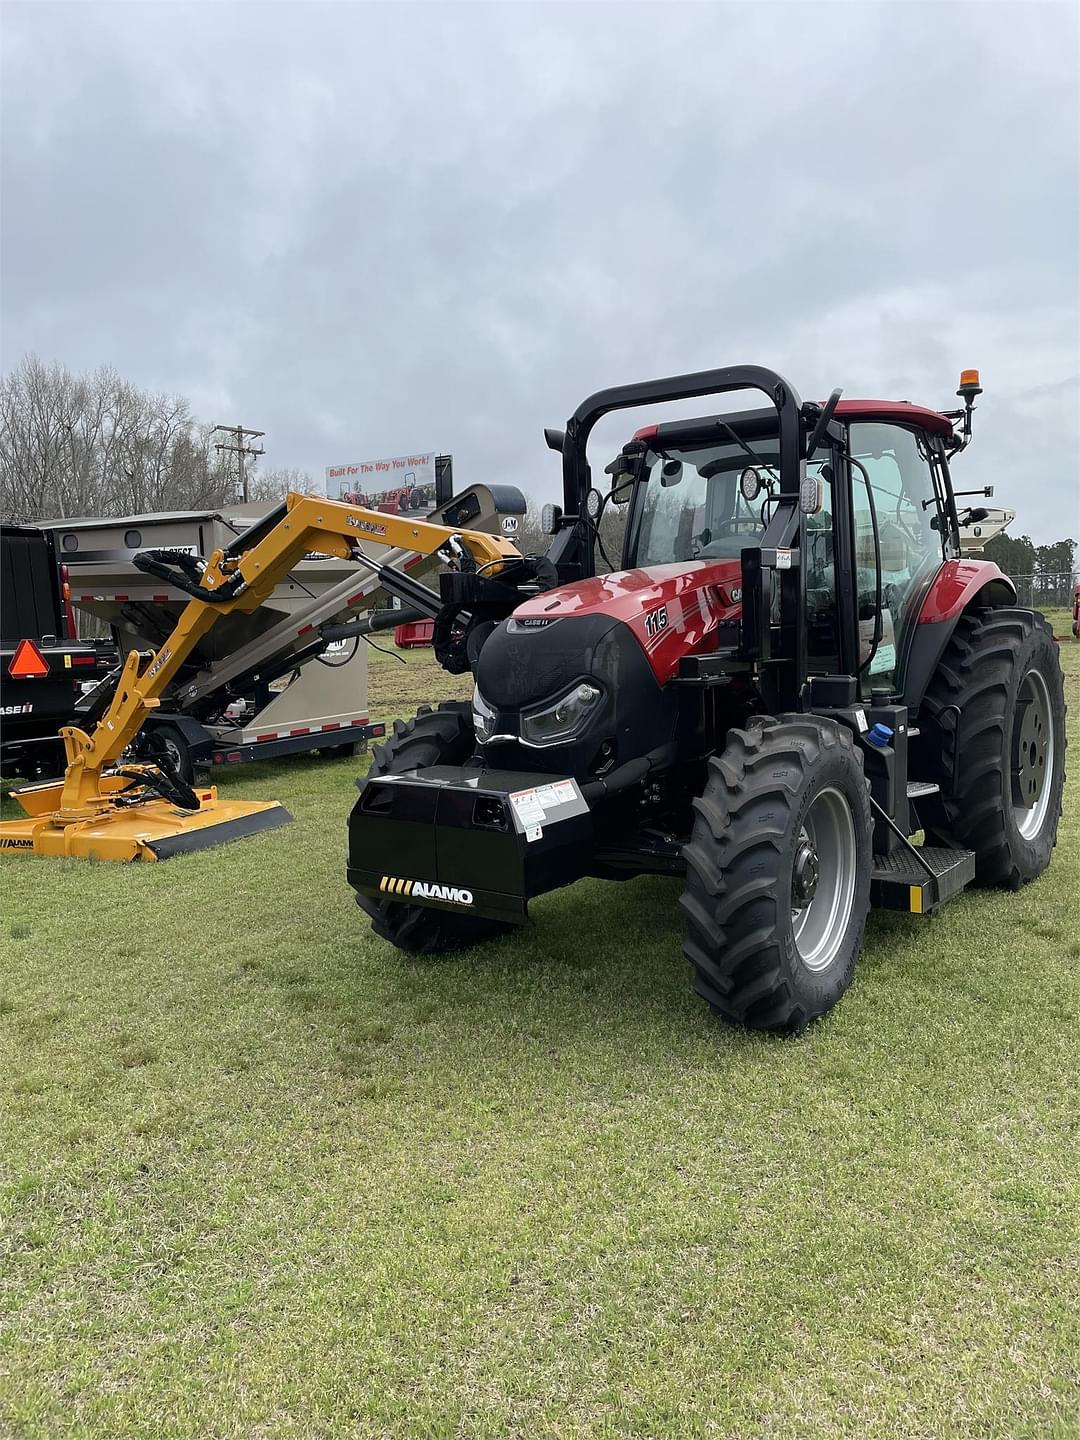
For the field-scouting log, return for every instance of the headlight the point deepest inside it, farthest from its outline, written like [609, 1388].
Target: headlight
[563, 719]
[483, 717]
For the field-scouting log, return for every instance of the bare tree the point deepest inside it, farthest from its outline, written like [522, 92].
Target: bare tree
[276, 484]
[95, 445]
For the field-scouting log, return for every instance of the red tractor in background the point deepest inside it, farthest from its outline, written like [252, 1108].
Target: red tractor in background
[793, 673]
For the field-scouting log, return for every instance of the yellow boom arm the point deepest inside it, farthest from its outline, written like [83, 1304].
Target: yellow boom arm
[308, 523]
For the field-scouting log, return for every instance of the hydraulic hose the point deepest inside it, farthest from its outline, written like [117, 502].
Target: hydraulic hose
[632, 773]
[185, 573]
[273, 669]
[620, 779]
[161, 780]
[377, 620]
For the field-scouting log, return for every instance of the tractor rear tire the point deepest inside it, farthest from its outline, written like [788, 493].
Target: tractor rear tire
[783, 826]
[993, 738]
[433, 737]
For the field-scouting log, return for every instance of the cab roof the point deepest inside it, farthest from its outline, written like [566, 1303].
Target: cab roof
[898, 412]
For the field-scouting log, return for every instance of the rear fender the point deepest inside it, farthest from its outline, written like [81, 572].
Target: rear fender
[198, 739]
[959, 585]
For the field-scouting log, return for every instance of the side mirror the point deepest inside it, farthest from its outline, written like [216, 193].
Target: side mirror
[622, 471]
[623, 464]
[822, 423]
[671, 472]
[553, 439]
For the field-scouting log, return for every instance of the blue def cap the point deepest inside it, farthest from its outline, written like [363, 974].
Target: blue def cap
[879, 735]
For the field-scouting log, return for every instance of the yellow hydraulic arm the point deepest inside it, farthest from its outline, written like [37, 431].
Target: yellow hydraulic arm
[94, 812]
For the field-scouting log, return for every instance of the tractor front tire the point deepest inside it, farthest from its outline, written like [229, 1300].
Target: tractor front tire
[778, 873]
[993, 738]
[433, 737]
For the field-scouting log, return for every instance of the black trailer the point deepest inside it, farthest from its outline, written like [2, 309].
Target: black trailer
[44, 667]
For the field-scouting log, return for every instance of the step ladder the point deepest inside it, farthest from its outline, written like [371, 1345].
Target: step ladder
[919, 789]
[899, 882]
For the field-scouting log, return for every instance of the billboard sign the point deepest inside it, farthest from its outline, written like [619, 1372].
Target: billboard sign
[402, 484]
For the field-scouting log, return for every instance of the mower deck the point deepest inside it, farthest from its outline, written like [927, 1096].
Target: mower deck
[151, 830]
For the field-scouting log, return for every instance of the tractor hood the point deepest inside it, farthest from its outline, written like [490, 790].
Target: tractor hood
[672, 610]
[575, 681]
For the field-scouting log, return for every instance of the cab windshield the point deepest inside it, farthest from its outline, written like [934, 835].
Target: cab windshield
[694, 508]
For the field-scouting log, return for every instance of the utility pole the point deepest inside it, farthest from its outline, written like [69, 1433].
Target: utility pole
[239, 434]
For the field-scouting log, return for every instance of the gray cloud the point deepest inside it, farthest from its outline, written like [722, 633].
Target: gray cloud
[370, 228]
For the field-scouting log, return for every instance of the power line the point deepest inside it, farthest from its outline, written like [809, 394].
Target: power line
[239, 434]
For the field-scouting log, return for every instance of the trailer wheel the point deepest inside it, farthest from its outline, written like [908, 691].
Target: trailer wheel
[433, 737]
[351, 751]
[993, 737]
[169, 741]
[778, 873]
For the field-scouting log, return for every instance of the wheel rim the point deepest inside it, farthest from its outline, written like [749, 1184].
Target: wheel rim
[1033, 755]
[172, 750]
[823, 879]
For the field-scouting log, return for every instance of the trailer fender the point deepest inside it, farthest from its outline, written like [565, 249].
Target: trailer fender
[199, 741]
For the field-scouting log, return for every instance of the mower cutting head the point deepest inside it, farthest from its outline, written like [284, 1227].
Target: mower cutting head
[143, 827]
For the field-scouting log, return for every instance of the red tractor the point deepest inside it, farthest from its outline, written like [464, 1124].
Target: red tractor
[793, 676]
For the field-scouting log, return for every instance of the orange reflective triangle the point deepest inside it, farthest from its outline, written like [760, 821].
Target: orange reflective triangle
[27, 662]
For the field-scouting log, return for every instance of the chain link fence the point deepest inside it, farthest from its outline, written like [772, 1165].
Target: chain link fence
[1042, 592]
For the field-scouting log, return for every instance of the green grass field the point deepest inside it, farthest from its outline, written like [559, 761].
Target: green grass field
[262, 1176]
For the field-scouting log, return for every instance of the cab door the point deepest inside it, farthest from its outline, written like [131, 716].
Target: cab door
[898, 519]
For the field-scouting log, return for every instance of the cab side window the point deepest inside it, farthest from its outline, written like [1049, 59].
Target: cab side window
[909, 537]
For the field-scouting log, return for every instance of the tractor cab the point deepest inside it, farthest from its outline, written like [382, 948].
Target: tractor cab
[705, 490]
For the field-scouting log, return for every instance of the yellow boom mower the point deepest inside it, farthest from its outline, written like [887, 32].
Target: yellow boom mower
[110, 810]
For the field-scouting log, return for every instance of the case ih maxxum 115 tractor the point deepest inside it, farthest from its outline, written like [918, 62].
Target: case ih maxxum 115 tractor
[793, 673]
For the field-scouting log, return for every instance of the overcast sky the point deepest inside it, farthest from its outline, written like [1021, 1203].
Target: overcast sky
[368, 229]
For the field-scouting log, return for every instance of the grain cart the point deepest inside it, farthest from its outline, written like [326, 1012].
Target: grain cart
[254, 687]
[793, 673]
[287, 677]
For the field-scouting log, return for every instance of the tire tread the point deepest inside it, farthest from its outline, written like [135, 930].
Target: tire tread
[434, 736]
[733, 939]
